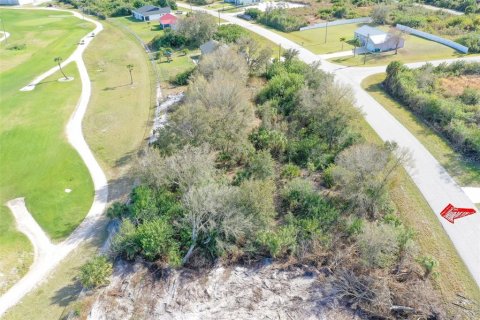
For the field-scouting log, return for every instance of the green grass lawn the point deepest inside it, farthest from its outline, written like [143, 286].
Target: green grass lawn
[466, 173]
[416, 49]
[36, 161]
[117, 118]
[430, 236]
[314, 39]
[114, 126]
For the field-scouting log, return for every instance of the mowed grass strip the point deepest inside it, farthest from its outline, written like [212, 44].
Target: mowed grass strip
[314, 39]
[454, 277]
[117, 119]
[36, 161]
[416, 49]
[465, 172]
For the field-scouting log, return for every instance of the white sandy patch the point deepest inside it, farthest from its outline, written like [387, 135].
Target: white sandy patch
[472, 193]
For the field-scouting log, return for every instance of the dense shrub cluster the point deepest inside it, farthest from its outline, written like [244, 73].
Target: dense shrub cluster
[221, 185]
[458, 118]
[277, 18]
[115, 8]
[467, 6]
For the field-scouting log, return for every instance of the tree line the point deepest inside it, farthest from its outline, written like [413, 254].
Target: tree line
[456, 117]
[115, 8]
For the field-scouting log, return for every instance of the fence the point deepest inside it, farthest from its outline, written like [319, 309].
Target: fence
[337, 23]
[450, 43]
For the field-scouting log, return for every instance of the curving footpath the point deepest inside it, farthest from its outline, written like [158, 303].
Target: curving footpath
[433, 181]
[47, 255]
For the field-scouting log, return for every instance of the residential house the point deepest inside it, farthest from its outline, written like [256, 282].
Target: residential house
[210, 46]
[375, 40]
[168, 20]
[242, 2]
[150, 13]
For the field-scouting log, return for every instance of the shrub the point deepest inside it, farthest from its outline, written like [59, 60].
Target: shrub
[229, 33]
[378, 245]
[280, 243]
[280, 19]
[470, 96]
[253, 12]
[290, 171]
[181, 79]
[155, 239]
[169, 39]
[95, 273]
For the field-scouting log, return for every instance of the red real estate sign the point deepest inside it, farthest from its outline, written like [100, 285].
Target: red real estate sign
[450, 213]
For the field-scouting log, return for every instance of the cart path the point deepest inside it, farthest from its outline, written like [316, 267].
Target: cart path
[433, 181]
[47, 255]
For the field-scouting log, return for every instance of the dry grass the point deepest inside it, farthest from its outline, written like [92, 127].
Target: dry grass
[454, 86]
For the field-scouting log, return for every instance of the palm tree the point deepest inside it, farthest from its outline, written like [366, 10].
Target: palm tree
[130, 69]
[342, 40]
[59, 60]
[356, 44]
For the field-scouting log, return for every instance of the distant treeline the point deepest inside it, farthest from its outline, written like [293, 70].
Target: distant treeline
[115, 8]
[467, 6]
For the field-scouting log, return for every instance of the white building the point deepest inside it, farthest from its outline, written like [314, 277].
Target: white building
[150, 13]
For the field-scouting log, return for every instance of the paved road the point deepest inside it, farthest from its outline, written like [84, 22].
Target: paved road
[47, 255]
[436, 185]
[433, 8]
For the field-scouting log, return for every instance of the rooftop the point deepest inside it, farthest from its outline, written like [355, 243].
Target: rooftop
[151, 10]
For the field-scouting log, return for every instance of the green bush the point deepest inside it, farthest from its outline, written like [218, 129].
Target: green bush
[254, 13]
[181, 79]
[290, 171]
[155, 240]
[229, 33]
[95, 273]
[168, 40]
[280, 19]
[280, 243]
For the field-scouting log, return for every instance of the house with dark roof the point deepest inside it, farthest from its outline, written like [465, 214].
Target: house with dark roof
[150, 13]
[375, 40]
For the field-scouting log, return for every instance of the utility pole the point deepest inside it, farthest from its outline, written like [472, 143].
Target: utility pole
[279, 51]
[219, 17]
[366, 50]
[326, 31]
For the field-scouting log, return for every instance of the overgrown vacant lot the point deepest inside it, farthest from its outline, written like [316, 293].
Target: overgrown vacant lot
[466, 173]
[36, 161]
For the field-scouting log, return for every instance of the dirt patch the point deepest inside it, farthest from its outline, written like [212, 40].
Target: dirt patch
[268, 291]
[454, 86]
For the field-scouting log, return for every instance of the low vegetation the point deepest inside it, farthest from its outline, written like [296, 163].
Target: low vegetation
[115, 8]
[277, 18]
[237, 176]
[456, 116]
[467, 6]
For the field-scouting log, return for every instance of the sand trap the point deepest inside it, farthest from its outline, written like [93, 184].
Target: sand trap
[68, 190]
[68, 79]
